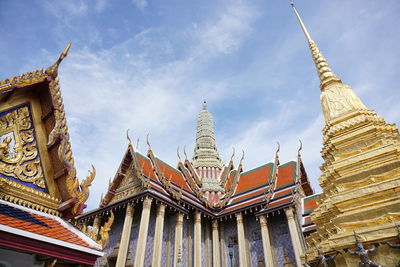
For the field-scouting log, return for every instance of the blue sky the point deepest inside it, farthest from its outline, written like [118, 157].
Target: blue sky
[148, 65]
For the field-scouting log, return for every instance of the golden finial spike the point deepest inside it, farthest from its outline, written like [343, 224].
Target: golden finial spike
[303, 27]
[324, 71]
[53, 70]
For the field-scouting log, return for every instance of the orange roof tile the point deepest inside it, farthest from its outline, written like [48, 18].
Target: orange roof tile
[25, 219]
[255, 178]
[286, 174]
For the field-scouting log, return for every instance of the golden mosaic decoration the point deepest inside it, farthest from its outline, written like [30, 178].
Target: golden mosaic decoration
[19, 156]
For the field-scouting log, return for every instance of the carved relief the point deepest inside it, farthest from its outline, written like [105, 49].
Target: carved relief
[338, 99]
[19, 156]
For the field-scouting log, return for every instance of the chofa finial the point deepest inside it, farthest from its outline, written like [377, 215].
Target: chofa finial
[53, 70]
[128, 137]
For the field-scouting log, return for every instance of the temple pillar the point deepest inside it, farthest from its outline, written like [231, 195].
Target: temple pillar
[223, 246]
[294, 235]
[197, 239]
[268, 258]
[178, 239]
[241, 241]
[125, 236]
[142, 237]
[215, 240]
[158, 234]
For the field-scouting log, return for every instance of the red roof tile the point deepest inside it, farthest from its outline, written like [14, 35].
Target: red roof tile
[25, 219]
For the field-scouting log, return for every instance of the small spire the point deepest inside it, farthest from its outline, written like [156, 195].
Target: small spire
[205, 105]
[325, 72]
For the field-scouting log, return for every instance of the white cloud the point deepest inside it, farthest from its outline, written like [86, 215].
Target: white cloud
[140, 4]
[103, 98]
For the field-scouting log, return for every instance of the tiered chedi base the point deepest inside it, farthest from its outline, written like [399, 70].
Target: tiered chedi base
[361, 187]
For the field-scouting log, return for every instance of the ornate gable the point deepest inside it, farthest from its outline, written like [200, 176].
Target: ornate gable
[36, 164]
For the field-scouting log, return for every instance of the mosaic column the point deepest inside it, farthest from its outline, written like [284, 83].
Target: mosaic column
[125, 236]
[197, 239]
[294, 235]
[241, 240]
[223, 246]
[157, 248]
[266, 241]
[142, 237]
[215, 240]
[178, 239]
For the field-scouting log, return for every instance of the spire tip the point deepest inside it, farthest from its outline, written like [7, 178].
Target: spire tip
[205, 105]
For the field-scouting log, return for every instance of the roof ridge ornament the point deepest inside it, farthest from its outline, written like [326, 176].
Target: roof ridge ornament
[128, 137]
[324, 71]
[53, 70]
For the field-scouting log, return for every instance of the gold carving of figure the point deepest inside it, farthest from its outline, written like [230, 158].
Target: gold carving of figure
[19, 156]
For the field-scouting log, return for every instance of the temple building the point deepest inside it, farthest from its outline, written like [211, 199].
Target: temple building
[204, 212]
[39, 190]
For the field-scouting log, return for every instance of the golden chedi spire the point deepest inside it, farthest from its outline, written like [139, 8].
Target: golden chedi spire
[360, 176]
[336, 98]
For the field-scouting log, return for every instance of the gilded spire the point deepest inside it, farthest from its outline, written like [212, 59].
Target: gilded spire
[325, 72]
[337, 98]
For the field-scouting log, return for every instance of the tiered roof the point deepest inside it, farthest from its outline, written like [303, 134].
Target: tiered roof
[268, 187]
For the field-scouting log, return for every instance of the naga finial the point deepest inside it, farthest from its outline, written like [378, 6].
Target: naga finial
[300, 148]
[53, 70]
[177, 153]
[233, 153]
[184, 152]
[242, 158]
[147, 141]
[128, 137]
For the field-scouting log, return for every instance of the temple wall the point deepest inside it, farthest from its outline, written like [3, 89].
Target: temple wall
[280, 239]
[185, 242]
[231, 242]
[165, 242]
[172, 223]
[253, 236]
[150, 237]
[115, 235]
[203, 243]
[134, 232]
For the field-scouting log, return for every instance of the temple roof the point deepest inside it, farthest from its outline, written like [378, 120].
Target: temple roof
[21, 223]
[268, 187]
[309, 204]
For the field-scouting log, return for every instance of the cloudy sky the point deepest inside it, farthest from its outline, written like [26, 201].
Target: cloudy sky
[147, 65]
